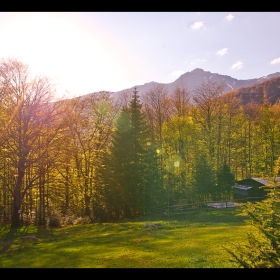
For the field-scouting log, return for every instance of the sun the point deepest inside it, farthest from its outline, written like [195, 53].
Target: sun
[50, 43]
[72, 49]
[57, 45]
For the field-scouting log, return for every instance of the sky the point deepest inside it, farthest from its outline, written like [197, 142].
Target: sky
[85, 52]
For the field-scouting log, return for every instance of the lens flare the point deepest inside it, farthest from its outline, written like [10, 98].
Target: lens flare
[175, 164]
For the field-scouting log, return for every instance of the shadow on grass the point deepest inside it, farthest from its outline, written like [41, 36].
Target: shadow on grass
[9, 234]
[179, 241]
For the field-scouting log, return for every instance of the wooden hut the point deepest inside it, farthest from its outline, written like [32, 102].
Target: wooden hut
[249, 188]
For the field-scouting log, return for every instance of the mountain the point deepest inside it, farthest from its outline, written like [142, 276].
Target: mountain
[268, 90]
[195, 78]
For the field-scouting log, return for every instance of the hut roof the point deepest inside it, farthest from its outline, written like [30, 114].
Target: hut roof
[260, 180]
[253, 181]
[242, 187]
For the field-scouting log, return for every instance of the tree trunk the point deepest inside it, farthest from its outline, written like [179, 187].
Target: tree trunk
[17, 201]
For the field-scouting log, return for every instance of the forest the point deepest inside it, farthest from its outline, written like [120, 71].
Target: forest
[99, 158]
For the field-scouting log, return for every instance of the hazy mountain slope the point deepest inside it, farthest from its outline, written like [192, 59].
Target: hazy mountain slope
[268, 90]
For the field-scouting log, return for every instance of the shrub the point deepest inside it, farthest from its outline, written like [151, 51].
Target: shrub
[262, 250]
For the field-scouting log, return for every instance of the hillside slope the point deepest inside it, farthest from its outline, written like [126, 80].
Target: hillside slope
[268, 91]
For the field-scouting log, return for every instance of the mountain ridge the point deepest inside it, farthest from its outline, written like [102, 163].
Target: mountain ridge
[196, 77]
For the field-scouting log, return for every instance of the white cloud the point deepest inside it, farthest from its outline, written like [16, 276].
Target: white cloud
[177, 73]
[197, 25]
[275, 61]
[222, 52]
[237, 65]
[197, 61]
[229, 17]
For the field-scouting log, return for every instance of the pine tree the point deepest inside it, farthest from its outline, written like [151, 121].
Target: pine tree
[225, 181]
[127, 163]
[204, 178]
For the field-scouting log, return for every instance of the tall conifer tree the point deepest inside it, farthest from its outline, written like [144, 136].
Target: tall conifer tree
[127, 163]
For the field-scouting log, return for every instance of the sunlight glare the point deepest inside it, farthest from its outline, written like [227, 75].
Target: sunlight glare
[55, 44]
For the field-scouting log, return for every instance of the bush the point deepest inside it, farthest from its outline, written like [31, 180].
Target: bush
[81, 221]
[54, 217]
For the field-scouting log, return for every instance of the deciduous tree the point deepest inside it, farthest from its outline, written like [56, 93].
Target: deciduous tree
[30, 127]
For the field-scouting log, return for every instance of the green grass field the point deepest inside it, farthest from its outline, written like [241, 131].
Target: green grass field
[193, 240]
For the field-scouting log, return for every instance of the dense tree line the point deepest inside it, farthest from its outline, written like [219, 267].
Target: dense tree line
[103, 158]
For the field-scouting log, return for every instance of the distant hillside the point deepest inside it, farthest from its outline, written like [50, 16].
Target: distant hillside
[269, 90]
[195, 78]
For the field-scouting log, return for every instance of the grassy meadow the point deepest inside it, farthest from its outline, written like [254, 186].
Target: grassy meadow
[193, 240]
